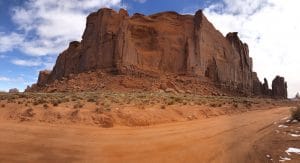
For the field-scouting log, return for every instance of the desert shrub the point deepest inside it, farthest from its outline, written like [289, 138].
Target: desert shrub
[141, 96]
[28, 113]
[215, 105]
[107, 108]
[99, 110]
[184, 102]
[163, 107]
[35, 103]
[176, 99]
[203, 102]
[10, 101]
[295, 113]
[198, 102]
[106, 105]
[56, 102]
[115, 100]
[45, 106]
[128, 101]
[106, 122]
[78, 105]
[3, 105]
[21, 95]
[145, 101]
[141, 107]
[75, 113]
[236, 105]
[247, 103]
[170, 102]
[91, 100]
[41, 101]
[65, 100]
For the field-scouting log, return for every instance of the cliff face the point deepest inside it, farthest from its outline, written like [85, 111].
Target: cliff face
[158, 44]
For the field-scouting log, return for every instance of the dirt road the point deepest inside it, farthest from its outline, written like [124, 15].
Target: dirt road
[219, 139]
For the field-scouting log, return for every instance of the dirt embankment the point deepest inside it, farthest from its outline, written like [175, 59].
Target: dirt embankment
[107, 109]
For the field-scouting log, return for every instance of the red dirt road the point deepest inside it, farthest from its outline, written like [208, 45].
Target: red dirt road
[218, 139]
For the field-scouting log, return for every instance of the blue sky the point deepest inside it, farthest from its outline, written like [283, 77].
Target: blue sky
[34, 32]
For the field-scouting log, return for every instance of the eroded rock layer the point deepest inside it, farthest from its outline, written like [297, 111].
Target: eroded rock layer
[155, 45]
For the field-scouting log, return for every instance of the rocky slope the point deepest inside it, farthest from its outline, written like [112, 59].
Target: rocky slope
[156, 45]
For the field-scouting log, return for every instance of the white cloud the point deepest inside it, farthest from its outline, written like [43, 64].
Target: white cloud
[3, 78]
[17, 82]
[49, 26]
[44, 62]
[140, 1]
[27, 63]
[240, 7]
[8, 42]
[270, 28]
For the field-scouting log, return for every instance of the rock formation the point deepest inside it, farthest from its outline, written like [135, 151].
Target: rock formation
[279, 88]
[265, 88]
[13, 90]
[155, 45]
[43, 77]
[257, 85]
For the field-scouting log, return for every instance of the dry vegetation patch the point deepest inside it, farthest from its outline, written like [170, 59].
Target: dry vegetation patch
[132, 108]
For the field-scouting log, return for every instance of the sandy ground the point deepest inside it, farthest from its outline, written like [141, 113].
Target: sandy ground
[227, 138]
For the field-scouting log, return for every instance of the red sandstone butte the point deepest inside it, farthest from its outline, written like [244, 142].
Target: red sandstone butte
[158, 44]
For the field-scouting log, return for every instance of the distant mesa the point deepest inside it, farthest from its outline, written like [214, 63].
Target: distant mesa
[13, 90]
[158, 46]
